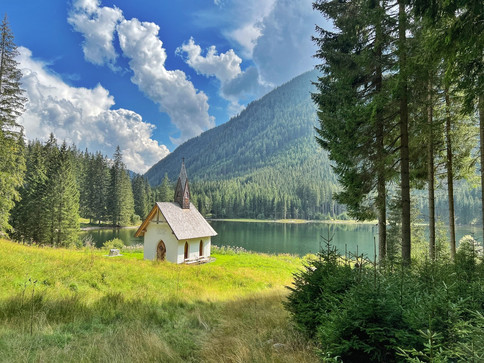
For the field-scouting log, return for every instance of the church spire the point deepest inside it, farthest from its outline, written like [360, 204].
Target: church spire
[182, 190]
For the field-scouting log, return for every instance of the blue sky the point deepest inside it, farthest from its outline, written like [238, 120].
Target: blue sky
[148, 75]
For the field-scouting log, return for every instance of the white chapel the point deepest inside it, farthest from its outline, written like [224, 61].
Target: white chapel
[176, 231]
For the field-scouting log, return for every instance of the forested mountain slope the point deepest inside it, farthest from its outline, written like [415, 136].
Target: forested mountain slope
[265, 163]
[262, 163]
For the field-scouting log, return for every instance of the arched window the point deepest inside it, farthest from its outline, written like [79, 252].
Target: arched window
[186, 250]
[201, 248]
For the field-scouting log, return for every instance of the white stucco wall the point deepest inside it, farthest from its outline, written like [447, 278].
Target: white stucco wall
[175, 250]
[193, 248]
[156, 232]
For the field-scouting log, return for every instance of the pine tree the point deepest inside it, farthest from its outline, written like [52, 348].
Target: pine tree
[83, 162]
[166, 191]
[49, 209]
[28, 215]
[66, 193]
[12, 160]
[120, 201]
[127, 200]
[98, 175]
[141, 195]
[460, 29]
[353, 104]
[60, 198]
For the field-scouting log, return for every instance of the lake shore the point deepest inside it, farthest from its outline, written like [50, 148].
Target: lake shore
[291, 221]
[95, 228]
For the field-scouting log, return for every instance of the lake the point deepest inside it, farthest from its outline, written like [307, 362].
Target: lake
[293, 238]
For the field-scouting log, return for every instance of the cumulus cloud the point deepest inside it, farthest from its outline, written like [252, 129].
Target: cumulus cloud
[244, 27]
[274, 34]
[170, 89]
[224, 66]
[247, 36]
[284, 48]
[176, 95]
[84, 116]
[234, 83]
[97, 25]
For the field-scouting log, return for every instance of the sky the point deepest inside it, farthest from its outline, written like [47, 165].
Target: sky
[148, 75]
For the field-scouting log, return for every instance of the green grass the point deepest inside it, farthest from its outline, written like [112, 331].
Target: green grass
[86, 307]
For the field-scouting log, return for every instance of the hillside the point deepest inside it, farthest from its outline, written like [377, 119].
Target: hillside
[263, 163]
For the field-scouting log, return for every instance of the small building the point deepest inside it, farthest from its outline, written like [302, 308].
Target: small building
[176, 231]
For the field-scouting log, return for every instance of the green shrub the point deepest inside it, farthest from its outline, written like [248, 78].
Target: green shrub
[469, 247]
[114, 243]
[318, 290]
[357, 312]
[135, 219]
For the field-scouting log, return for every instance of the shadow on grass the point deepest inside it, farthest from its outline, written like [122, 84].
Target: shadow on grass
[113, 328]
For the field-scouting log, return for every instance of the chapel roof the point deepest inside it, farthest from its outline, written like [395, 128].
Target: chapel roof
[185, 223]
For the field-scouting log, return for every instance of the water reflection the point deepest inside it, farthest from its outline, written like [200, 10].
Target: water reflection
[282, 237]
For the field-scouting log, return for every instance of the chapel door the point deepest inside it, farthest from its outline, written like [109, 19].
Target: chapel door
[160, 251]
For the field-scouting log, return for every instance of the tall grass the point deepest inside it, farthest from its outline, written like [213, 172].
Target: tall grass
[85, 306]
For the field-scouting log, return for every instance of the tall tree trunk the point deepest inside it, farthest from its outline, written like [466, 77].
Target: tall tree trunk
[382, 220]
[450, 174]
[431, 177]
[381, 188]
[481, 133]
[404, 152]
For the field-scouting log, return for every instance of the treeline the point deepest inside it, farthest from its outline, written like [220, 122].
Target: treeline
[271, 193]
[61, 184]
[400, 104]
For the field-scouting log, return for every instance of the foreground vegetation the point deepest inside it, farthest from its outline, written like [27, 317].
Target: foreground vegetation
[358, 311]
[62, 305]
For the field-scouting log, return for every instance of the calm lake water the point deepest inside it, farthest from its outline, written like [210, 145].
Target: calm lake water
[290, 238]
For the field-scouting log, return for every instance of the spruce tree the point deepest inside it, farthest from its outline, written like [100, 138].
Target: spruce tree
[60, 197]
[28, 215]
[141, 196]
[120, 201]
[98, 174]
[66, 190]
[460, 29]
[12, 160]
[166, 192]
[353, 104]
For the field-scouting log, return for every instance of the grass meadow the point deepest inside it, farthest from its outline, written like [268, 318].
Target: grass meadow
[65, 305]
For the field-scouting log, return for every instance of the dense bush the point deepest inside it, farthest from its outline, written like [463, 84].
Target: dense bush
[359, 312]
[114, 243]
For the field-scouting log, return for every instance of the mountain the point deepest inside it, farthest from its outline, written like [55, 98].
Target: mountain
[263, 163]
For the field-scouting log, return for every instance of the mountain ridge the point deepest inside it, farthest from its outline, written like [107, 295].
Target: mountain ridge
[265, 159]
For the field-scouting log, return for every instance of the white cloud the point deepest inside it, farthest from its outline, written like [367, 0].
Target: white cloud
[246, 19]
[224, 66]
[176, 95]
[247, 36]
[285, 49]
[97, 25]
[274, 34]
[84, 116]
[234, 83]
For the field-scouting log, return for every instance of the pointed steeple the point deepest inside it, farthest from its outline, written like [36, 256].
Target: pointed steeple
[182, 190]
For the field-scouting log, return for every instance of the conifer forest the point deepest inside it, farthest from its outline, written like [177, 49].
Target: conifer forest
[389, 127]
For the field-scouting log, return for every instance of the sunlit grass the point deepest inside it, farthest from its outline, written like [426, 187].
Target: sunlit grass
[82, 305]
